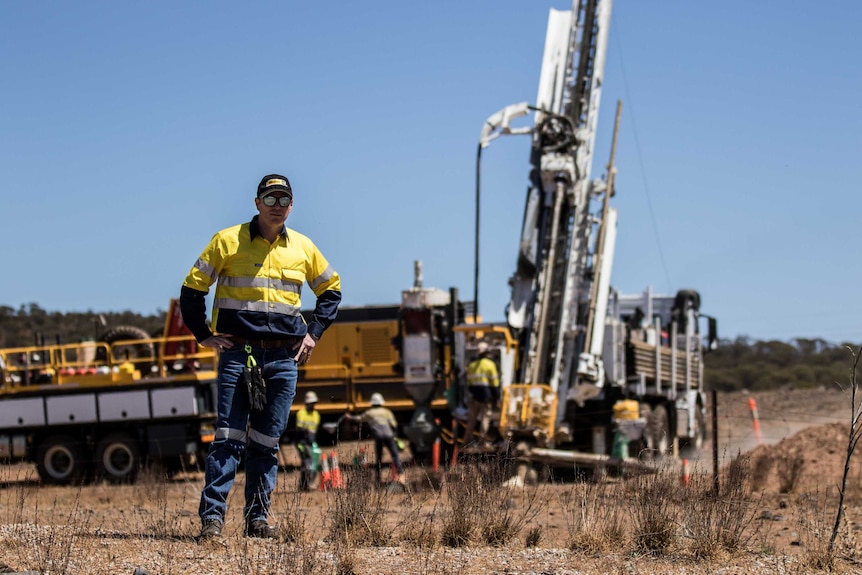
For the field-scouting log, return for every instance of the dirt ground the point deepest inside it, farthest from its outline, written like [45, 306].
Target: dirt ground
[796, 446]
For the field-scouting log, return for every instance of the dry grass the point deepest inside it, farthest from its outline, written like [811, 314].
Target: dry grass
[470, 520]
[484, 507]
[789, 471]
[595, 517]
[814, 524]
[356, 517]
[760, 470]
[656, 512]
[719, 524]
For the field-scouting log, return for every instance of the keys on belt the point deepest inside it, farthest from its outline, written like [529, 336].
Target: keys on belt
[289, 342]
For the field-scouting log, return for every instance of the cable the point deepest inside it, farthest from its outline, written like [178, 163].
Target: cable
[476, 240]
[641, 161]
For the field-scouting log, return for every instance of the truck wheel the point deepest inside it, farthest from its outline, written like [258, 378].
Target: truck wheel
[141, 354]
[699, 433]
[117, 458]
[60, 461]
[658, 432]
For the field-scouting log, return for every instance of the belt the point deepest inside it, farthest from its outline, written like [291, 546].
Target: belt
[266, 343]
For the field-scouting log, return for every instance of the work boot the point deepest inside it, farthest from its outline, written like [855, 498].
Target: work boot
[260, 528]
[211, 528]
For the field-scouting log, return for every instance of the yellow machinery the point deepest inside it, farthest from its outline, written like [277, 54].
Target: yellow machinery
[360, 355]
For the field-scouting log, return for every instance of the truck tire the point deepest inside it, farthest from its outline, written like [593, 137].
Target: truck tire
[699, 436]
[141, 354]
[117, 458]
[60, 461]
[658, 432]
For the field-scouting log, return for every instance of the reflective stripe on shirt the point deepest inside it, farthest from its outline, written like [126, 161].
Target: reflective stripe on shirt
[260, 306]
[307, 421]
[482, 373]
[259, 284]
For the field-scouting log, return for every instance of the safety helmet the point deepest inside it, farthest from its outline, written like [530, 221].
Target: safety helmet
[482, 347]
[376, 399]
[310, 397]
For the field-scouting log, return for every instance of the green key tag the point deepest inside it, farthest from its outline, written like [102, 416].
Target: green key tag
[253, 376]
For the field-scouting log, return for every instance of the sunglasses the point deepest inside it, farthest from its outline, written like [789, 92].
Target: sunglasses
[270, 201]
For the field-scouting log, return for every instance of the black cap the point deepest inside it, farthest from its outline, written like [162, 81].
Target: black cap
[273, 183]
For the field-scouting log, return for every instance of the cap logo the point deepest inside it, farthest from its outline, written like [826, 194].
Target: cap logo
[275, 182]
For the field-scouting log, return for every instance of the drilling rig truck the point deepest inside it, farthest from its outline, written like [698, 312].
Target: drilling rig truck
[593, 369]
[587, 374]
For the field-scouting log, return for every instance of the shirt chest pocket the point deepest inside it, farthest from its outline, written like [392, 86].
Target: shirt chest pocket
[240, 266]
[244, 279]
[291, 284]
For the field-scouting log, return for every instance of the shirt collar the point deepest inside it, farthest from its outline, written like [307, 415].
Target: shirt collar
[254, 229]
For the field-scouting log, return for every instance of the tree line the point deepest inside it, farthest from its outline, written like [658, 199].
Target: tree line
[32, 325]
[758, 365]
[736, 364]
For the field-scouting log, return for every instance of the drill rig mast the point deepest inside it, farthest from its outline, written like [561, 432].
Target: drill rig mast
[585, 352]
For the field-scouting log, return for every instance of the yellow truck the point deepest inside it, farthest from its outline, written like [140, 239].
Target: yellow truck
[103, 409]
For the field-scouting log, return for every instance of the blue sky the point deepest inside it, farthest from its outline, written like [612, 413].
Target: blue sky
[130, 133]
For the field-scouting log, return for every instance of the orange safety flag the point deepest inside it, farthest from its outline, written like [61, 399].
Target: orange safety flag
[325, 478]
[336, 481]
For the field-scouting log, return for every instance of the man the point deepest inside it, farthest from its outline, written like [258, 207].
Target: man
[307, 422]
[483, 386]
[381, 421]
[260, 267]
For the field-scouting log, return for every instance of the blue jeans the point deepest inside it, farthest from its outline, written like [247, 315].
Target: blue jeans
[259, 443]
[389, 444]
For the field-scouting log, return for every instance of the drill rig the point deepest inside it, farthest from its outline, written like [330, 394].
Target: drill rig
[591, 365]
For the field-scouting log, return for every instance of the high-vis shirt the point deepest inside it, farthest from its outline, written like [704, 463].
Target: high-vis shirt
[482, 373]
[381, 421]
[259, 284]
[306, 421]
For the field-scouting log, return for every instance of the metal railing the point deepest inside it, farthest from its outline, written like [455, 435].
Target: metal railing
[119, 361]
[528, 409]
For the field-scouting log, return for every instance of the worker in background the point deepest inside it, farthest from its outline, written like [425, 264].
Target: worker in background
[307, 422]
[260, 267]
[381, 421]
[483, 387]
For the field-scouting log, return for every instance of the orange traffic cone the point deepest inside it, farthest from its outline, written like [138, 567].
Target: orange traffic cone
[685, 478]
[336, 481]
[325, 478]
[755, 419]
